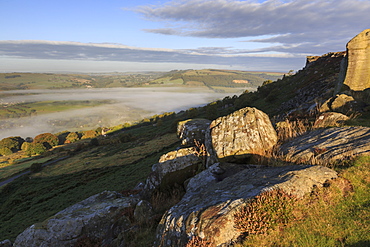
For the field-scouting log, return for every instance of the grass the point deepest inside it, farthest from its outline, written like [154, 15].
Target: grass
[104, 156]
[33, 199]
[43, 107]
[113, 166]
[337, 215]
[22, 81]
[15, 167]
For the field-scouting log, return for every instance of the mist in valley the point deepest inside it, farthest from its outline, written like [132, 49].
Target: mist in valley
[126, 105]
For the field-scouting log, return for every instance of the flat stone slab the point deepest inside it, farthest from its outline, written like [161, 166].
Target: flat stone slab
[328, 145]
[208, 207]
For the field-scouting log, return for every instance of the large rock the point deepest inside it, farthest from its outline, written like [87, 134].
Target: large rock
[173, 167]
[342, 103]
[330, 119]
[192, 130]
[235, 137]
[357, 70]
[95, 217]
[325, 146]
[208, 207]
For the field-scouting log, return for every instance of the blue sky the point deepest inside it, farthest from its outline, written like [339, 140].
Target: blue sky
[142, 35]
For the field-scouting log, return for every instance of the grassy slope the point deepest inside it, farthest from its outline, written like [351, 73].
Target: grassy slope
[337, 215]
[120, 166]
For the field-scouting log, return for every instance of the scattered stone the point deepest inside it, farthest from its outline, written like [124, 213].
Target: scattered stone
[173, 167]
[6, 243]
[330, 119]
[235, 137]
[342, 103]
[208, 207]
[192, 130]
[93, 217]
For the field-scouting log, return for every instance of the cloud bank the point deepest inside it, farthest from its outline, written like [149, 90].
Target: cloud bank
[31, 49]
[298, 26]
[285, 31]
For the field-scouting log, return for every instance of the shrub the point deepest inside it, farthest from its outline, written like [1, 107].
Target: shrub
[36, 148]
[197, 242]
[126, 137]
[265, 211]
[25, 146]
[5, 151]
[72, 137]
[12, 143]
[89, 134]
[48, 138]
[266, 82]
[36, 167]
[62, 136]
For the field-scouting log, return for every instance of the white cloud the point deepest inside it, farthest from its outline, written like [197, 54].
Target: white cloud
[314, 24]
[213, 56]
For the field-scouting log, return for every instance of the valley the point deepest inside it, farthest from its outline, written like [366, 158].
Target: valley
[35, 103]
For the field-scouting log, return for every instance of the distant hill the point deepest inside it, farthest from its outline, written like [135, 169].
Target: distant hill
[22, 81]
[208, 77]
[216, 78]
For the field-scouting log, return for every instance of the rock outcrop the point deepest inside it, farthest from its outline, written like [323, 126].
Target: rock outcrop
[99, 217]
[325, 146]
[314, 85]
[235, 137]
[192, 130]
[208, 207]
[356, 68]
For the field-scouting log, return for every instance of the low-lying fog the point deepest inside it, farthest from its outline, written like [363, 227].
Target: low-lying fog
[128, 105]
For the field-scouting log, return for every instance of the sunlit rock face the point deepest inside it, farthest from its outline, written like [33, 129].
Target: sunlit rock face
[235, 137]
[208, 208]
[358, 69]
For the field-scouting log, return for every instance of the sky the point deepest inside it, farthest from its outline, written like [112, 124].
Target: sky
[144, 35]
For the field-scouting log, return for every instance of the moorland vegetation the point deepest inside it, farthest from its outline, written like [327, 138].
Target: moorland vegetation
[122, 156]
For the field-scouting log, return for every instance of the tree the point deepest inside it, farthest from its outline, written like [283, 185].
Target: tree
[72, 137]
[35, 149]
[266, 82]
[11, 143]
[5, 151]
[25, 146]
[89, 134]
[48, 138]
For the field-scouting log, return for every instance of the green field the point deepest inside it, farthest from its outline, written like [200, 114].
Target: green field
[206, 77]
[24, 81]
[43, 107]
